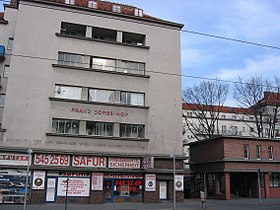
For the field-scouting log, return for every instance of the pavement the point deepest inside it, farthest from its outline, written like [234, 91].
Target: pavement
[188, 204]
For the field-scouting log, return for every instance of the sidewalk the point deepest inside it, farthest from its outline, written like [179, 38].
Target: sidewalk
[188, 204]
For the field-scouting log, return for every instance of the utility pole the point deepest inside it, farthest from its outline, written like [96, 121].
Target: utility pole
[174, 181]
[29, 151]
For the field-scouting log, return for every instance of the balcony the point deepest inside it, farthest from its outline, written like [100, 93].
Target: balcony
[2, 52]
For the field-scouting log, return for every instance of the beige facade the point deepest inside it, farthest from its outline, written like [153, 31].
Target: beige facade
[91, 82]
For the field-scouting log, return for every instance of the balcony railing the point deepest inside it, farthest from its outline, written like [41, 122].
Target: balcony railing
[2, 52]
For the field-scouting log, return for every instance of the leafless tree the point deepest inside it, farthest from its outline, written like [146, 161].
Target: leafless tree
[261, 97]
[206, 100]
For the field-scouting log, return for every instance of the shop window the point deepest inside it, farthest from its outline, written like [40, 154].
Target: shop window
[135, 99]
[128, 188]
[274, 180]
[132, 131]
[105, 64]
[270, 152]
[99, 95]
[65, 126]
[258, 152]
[70, 59]
[133, 39]
[104, 34]
[73, 29]
[68, 92]
[100, 128]
[132, 67]
[246, 151]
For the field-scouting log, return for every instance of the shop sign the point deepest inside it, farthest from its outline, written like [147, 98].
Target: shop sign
[179, 182]
[70, 173]
[99, 112]
[39, 180]
[78, 187]
[13, 159]
[115, 162]
[148, 162]
[89, 161]
[97, 181]
[122, 176]
[150, 182]
[51, 160]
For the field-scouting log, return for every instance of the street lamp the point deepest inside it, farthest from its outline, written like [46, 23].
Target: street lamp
[174, 181]
[29, 151]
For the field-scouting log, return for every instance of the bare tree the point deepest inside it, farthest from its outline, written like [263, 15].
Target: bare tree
[206, 101]
[261, 97]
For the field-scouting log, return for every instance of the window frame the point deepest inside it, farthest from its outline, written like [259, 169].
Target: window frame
[91, 97]
[127, 99]
[71, 62]
[258, 152]
[126, 131]
[270, 153]
[75, 89]
[10, 43]
[6, 72]
[64, 122]
[100, 128]
[116, 8]
[246, 152]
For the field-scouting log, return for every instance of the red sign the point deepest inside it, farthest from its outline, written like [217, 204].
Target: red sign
[124, 162]
[89, 161]
[53, 160]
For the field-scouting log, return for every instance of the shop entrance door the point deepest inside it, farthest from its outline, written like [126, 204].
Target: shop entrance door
[108, 191]
[163, 190]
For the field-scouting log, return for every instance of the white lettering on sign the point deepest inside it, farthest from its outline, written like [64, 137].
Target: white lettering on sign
[124, 162]
[150, 182]
[89, 161]
[50, 159]
[123, 176]
[73, 186]
[13, 159]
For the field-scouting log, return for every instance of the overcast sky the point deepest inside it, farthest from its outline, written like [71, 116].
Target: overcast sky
[250, 20]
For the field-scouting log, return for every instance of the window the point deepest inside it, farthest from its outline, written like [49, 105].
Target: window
[92, 4]
[132, 131]
[132, 67]
[2, 100]
[10, 43]
[252, 129]
[201, 128]
[72, 2]
[243, 129]
[138, 12]
[100, 128]
[70, 59]
[98, 95]
[234, 117]
[136, 99]
[274, 180]
[68, 92]
[134, 39]
[128, 187]
[270, 152]
[104, 34]
[116, 8]
[73, 29]
[223, 116]
[6, 70]
[246, 151]
[103, 64]
[234, 130]
[258, 152]
[65, 126]
[224, 129]
[251, 118]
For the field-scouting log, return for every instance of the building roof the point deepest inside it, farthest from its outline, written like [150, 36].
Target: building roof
[270, 99]
[224, 109]
[107, 7]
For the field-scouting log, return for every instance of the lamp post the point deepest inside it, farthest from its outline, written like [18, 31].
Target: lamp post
[29, 151]
[174, 181]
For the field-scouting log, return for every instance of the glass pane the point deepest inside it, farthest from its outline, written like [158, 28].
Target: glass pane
[75, 127]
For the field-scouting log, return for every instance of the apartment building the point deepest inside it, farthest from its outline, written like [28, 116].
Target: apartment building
[236, 167]
[82, 103]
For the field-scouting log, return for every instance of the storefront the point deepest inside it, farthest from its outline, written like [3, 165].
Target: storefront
[84, 179]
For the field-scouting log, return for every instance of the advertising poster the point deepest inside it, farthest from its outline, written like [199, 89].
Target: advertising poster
[179, 183]
[150, 182]
[38, 180]
[77, 187]
[97, 181]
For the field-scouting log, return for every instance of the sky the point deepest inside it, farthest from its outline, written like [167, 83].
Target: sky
[201, 56]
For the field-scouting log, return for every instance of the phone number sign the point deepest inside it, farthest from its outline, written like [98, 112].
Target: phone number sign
[51, 160]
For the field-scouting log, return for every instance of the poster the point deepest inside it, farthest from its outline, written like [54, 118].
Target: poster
[150, 182]
[78, 187]
[179, 182]
[97, 181]
[38, 180]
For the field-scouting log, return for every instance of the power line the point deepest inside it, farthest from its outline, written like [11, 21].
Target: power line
[231, 39]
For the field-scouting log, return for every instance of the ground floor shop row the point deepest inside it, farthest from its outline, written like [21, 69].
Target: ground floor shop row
[235, 184]
[54, 178]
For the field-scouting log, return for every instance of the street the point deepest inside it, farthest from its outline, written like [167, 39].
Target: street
[188, 204]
